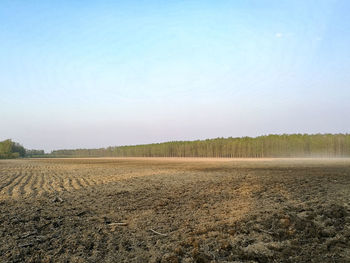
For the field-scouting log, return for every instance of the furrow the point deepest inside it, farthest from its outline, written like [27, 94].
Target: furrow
[60, 182]
[79, 182]
[34, 185]
[41, 184]
[54, 182]
[25, 184]
[10, 181]
[49, 182]
[86, 182]
[76, 184]
[13, 187]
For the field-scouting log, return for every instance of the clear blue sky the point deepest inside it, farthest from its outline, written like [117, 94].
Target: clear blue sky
[101, 73]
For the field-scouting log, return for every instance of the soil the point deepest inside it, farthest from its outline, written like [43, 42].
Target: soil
[175, 210]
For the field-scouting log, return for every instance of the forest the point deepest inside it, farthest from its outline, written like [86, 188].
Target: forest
[285, 145]
[10, 149]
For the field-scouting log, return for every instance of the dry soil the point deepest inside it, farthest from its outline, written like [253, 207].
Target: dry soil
[175, 210]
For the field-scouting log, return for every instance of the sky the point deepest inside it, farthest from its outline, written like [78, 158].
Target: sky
[90, 74]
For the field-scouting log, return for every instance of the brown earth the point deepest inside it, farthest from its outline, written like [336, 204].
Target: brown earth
[175, 210]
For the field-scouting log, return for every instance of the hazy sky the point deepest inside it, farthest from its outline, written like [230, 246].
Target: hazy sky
[102, 73]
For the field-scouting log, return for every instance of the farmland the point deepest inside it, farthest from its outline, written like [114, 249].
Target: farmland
[175, 210]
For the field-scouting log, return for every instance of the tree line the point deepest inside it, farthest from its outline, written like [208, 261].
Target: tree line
[285, 145]
[10, 149]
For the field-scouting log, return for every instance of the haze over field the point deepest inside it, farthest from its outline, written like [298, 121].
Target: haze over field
[89, 75]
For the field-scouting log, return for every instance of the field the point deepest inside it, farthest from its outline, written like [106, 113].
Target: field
[175, 210]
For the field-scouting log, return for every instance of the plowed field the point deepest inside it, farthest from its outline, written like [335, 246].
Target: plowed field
[175, 210]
